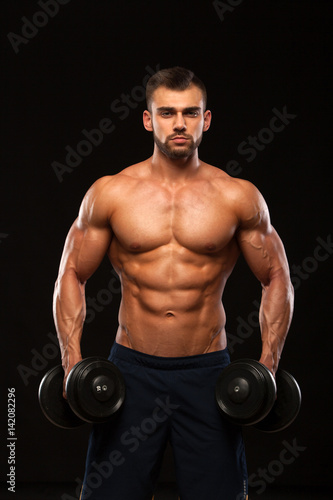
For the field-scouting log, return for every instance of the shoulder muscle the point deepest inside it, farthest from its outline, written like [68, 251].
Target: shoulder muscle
[250, 206]
[96, 206]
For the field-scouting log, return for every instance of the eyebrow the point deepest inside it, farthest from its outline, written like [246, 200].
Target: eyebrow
[185, 110]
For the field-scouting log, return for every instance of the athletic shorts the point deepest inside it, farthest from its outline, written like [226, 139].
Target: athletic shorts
[167, 400]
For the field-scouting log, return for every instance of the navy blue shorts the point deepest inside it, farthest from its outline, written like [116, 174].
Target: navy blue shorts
[167, 400]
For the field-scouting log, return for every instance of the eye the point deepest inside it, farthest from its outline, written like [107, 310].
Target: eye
[193, 113]
[165, 114]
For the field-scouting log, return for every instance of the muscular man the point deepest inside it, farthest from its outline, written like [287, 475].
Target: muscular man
[173, 228]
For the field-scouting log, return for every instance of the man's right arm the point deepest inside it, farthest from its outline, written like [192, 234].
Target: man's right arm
[85, 246]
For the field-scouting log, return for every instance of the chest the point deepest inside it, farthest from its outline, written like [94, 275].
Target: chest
[197, 218]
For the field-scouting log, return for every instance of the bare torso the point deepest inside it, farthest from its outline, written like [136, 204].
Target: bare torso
[174, 247]
[173, 228]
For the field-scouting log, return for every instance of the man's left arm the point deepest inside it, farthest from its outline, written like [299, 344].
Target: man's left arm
[264, 252]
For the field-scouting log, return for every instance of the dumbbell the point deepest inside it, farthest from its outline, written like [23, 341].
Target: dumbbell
[247, 394]
[95, 391]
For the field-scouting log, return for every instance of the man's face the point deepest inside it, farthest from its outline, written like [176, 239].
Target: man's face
[177, 120]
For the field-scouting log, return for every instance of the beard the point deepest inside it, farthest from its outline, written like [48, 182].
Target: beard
[175, 151]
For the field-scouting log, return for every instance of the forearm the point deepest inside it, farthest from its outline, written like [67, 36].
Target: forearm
[69, 311]
[275, 317]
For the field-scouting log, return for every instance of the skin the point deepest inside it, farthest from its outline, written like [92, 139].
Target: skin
[173, 227]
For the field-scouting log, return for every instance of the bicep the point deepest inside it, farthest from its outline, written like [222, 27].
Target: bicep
[264, 252]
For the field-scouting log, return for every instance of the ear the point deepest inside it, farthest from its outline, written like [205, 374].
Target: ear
[207, 120]
[147, 121]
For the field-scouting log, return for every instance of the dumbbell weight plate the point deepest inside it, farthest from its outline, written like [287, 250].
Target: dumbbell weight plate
[286, 406]
[95, 389]
[245, 392]
[55, 408]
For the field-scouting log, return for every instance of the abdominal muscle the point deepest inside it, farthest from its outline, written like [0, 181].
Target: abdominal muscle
[171, 314]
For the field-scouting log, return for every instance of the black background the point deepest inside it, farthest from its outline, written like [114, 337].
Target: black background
[255, 57]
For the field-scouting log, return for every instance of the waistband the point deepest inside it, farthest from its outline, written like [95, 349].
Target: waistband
[169, 363]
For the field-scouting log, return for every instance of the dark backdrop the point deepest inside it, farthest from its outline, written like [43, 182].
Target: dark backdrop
[73, 66]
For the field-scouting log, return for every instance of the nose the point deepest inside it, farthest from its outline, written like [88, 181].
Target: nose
[179, 123]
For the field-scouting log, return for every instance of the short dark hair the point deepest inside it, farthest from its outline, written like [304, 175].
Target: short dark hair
[176, 78]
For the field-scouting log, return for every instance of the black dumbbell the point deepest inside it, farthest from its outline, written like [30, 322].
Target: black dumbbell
[95, 391]
[247, 394]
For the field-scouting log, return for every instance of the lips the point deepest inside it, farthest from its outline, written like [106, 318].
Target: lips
[179, 140]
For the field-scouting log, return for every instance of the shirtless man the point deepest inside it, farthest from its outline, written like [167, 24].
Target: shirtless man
[173, 228]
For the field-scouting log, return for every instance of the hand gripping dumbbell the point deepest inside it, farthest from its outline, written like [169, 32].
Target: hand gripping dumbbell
[95, 391]
[247, 394]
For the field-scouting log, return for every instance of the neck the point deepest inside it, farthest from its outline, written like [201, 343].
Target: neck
[174, 170]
